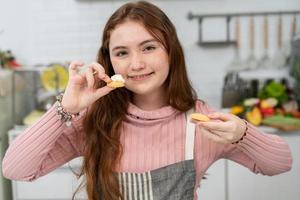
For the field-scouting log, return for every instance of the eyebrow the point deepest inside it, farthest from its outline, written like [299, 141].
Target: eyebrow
[142, 43]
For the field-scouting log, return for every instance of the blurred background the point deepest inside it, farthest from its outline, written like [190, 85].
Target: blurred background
[243, 57]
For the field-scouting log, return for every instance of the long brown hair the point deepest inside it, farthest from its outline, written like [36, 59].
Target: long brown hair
[104, 118]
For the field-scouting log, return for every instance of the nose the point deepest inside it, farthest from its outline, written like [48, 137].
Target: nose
[137, 62]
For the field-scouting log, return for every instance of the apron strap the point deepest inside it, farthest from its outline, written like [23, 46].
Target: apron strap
[189, 136]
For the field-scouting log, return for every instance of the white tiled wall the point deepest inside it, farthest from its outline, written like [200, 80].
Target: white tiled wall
[44, 31]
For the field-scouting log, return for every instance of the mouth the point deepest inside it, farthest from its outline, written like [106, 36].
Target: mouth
[140, 76]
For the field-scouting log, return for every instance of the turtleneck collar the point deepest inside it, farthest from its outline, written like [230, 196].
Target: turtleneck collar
[137, 115]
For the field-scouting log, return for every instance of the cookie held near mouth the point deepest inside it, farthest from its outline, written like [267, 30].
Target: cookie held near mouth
[199, 117]
[117, 81]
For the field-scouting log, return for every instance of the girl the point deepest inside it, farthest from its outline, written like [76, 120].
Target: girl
[138, 142]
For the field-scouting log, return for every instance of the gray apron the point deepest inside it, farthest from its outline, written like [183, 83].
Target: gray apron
[172, 182]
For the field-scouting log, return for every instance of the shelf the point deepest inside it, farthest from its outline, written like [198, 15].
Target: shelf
[227, 17]
[263, 74]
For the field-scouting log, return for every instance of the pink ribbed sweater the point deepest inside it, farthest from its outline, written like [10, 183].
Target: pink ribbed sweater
[151, 139]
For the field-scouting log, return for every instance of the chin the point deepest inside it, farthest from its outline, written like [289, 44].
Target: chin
[140, 90]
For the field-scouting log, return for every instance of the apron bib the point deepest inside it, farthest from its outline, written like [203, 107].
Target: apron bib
[172, 182]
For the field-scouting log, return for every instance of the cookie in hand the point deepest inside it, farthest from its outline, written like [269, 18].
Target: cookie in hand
[199, 117]
[117, 81]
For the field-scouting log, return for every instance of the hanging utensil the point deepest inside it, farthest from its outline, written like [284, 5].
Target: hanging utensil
[236, 64]
[293, 27]
[279, 58]
[231, 92]
[265, 61]
[251, 61]
[288, 47]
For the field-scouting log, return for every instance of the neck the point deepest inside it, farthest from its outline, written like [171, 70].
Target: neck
[151, 101]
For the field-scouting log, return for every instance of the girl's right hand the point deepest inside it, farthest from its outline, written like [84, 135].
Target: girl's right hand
[81, 89]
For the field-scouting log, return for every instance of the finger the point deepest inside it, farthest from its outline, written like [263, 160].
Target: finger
[73, 67]
[97, 67]
[221, 116]
[90, 78]
[103, 91]
[215, 125]
[225, 135]
[212, 136]
[101, 72]
[105, 77]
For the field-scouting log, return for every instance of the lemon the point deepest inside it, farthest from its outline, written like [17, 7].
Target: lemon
[56, 77]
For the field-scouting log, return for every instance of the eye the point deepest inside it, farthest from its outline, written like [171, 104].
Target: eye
[121, 53]
[150, 48]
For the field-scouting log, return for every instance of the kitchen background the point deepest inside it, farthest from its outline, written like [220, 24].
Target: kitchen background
[42, 32]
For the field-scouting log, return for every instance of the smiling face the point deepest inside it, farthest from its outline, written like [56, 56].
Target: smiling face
[139, 58]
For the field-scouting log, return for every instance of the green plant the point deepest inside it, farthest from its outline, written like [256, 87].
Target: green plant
[296, 74]
[274, 90]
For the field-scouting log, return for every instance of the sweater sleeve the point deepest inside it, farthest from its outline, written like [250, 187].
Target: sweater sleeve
[260, 152]
[43, 147]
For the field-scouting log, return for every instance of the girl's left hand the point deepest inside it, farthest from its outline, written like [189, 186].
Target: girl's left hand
[223, 127]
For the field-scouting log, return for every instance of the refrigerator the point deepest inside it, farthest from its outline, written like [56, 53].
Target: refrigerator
[6, 123]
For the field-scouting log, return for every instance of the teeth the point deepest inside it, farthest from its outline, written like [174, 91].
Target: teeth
[140, 76]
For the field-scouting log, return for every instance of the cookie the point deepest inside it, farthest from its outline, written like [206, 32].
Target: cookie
[115, 84]
[199, 117]
[117, 81]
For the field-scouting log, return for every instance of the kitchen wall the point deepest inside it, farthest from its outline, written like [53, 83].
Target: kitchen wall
[44, 31]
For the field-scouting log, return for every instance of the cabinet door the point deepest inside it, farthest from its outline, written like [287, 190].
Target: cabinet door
[81, 194]
[59, 184]
[56, 185]
[243, 184]
[213, 188]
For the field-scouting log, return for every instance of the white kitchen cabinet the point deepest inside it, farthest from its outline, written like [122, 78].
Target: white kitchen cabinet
[57, 185]
[243, 184]
[5, 185]
[6, 123]
[214, 188]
